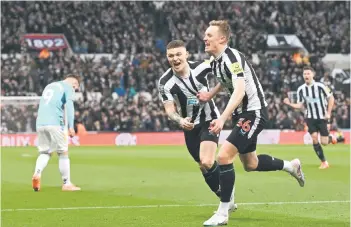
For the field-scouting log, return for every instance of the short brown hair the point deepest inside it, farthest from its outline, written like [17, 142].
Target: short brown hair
[223, 26]
[308, 68]
[175, 44]
[75, 76]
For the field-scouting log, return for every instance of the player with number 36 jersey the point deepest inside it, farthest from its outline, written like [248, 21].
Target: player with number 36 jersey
[247, 108]
[56, 102]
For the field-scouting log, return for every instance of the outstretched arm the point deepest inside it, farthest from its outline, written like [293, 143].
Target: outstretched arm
[293, 105]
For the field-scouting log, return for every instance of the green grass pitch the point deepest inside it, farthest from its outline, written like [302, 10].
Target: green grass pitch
[162, 186]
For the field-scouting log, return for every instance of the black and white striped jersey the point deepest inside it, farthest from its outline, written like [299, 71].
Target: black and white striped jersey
[314, 96]
[183, 92]
[232, 65]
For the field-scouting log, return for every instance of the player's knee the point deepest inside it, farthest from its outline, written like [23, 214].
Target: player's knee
[45, 153]
[315, 140]
[223, 158]
[63, 154]
[248, 167]
[206, 164]
[324, 142]
[249, 163]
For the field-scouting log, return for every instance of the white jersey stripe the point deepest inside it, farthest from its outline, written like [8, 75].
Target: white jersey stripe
[254, 126]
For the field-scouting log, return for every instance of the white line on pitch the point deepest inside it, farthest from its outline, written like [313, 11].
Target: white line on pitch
[171, 205]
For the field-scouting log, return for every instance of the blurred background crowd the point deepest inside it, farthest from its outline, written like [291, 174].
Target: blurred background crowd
[119, 91]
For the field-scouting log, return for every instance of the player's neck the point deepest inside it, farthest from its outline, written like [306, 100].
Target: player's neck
[310, 83]
[185, 72]
[220, 51]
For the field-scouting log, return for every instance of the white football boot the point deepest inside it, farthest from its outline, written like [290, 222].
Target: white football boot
[218, 219]
[297, 172]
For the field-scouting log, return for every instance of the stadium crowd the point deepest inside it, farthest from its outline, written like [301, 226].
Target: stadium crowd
[120, 93]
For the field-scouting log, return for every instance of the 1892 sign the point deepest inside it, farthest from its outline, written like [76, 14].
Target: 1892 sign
[46, 41]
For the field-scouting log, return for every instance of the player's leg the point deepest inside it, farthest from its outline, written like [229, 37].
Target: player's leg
[44, 141]
[326, 139]
[204, 155]
[313, 130]
[209, 165]
[317, 147]
[65, 170]
[246, 143]
[225, 160]
[264, 163]
[61, 141]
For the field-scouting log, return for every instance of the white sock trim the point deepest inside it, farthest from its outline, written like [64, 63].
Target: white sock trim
[223, 208]
[288, 166]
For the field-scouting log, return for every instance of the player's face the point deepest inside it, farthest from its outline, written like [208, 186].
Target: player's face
[308, 76]
[75, 85]
[213, 38]
[177, 58]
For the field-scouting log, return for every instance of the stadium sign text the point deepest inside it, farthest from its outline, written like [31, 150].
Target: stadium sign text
[46, 41]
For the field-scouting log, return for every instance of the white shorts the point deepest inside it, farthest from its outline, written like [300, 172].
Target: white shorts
[52, 138]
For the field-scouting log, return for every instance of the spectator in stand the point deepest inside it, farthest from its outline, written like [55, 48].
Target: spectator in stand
[119, 92]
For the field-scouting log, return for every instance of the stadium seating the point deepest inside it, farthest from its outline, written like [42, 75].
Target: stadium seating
[120, 94]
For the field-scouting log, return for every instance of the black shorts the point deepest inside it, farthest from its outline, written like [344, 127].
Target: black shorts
[317, 125]
[247, 126]
[194, 137]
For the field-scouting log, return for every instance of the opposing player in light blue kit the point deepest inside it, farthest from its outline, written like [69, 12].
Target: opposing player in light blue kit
[56, 102]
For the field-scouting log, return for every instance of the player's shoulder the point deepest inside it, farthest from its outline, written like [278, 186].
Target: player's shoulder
[57, 85]
[319, 84]
[166, 76]
[67, 87]
[232, 56]
[327, 88]
[301, 87]
[231, 51]
[205, 64]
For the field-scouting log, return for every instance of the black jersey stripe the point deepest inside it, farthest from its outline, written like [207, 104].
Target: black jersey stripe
[315, 104]
[321, 91]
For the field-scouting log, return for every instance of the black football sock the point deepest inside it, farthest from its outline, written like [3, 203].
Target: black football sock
[319, 151]
[212, 178]
[269, 163]
[226, 181]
